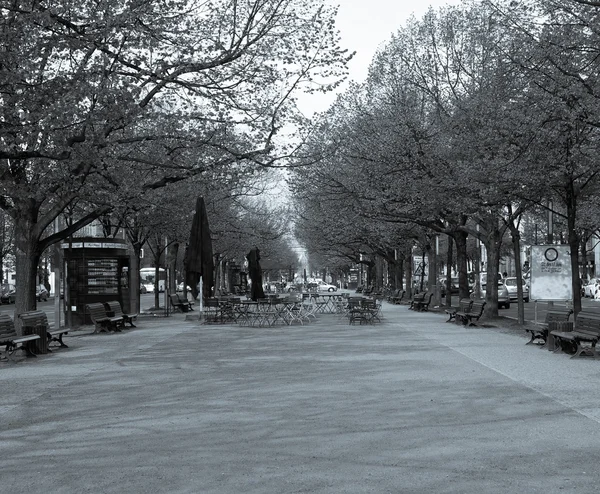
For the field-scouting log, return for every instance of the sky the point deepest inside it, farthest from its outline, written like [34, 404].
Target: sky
[363, 26]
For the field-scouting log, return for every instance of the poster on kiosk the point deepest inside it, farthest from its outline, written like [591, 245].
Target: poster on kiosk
[551, 273]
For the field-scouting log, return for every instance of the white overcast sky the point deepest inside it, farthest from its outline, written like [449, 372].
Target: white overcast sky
[363, 26]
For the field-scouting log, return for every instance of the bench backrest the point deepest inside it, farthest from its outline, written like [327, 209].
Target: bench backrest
[97, 311]
[181, 298]
[419, 297]
[557, 316]
[175, 299]
[7, 327]
[477, 308]
[115, 307]
[588, 322]
[34, 318]
[465, 304]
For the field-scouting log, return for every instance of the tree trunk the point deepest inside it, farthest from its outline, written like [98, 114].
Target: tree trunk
[400, 271]
[379, 272]
[492, 243]
[431, 270]
[460, 238]
[571, 201]
[409, 274]
[449, 259]
[134, 277]
[422, 273]
[172, 265]
[27, 258]
[516, 243]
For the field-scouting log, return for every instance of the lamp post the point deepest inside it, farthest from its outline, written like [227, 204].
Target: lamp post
[550, 236]
[550, 223]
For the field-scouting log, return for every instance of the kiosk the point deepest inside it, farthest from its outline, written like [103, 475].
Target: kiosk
[96, 270]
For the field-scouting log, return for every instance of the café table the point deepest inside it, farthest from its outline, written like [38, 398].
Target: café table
[329, 304]
[257, 313]
[290, 310]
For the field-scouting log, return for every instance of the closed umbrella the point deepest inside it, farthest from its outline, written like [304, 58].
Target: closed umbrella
[255, 272]
[198, 260]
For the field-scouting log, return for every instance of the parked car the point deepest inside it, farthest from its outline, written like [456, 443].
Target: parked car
[590, 289]
[511, 285]
[295, 287]
[503, 296]
[8, 293]
[143, 288]
[453, 286]
[41, 294]
[325, 287]
[321, 286]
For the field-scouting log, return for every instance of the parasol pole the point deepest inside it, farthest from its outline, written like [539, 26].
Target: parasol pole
[200, 295]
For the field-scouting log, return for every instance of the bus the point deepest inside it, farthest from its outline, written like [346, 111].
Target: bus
[147, 277]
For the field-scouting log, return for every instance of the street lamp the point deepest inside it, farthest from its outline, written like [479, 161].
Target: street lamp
[550, 224]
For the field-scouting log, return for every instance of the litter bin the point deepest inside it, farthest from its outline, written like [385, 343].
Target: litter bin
[39, 346]
[564, 326]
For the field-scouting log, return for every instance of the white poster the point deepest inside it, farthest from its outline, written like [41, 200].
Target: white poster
[551, 273]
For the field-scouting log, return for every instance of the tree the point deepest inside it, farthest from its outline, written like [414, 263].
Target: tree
[158, 90]
[562, 67]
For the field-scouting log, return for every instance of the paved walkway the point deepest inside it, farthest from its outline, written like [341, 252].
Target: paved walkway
[412, 405]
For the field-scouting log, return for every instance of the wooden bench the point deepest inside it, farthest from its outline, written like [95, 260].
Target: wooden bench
[472, 315]
[397, 297]
[423, 305]
[178, 304]
[392, 294]
[101, 320]
[184, 300]
[37, 318]
[582, 340]
[417, 298]
[114, 308]
[552, 317]
[11, 340]
[464, 305]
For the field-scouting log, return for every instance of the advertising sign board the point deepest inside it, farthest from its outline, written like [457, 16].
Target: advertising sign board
[551, 273]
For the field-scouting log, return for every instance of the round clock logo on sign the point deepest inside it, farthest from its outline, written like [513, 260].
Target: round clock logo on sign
[551, 254]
